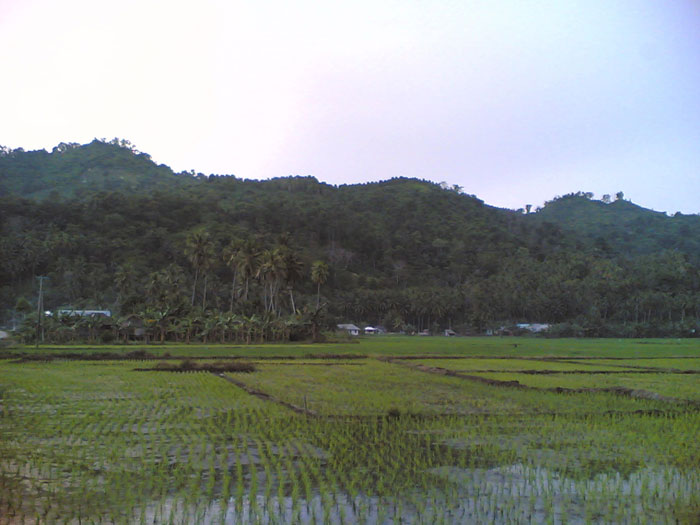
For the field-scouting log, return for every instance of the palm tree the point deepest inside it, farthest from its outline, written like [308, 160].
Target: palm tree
[161, 318]
[319, 275]
[200, 251]
[271, 273]
[124, 277]
[93, 324]
[247, 260]
[228, 325]
[211, 323]
[293, 272]
[188, 325]
[150, 323]
[52, 326]
[155, 288]
[122, 328]
[251, 326]
[230, 256]
[176, 327]
[172, 278]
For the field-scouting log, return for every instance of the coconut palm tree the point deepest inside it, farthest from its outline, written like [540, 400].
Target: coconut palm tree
[200, 252]
[271, 273]
[155, 288]
[230, 256]
[319, 275]
[247, 260]
[293, 273]
[124, 278]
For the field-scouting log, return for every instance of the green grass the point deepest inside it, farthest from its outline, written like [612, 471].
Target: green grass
[529, 346]
[384, 345]
[197, 350]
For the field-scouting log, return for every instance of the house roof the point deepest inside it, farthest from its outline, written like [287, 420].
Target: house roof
[348, 327]
[86, 313]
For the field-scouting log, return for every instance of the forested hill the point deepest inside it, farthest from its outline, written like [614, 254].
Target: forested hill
[120, 232]
[621, 226]
[72, 170]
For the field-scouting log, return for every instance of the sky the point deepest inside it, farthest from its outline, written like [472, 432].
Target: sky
[515, 101]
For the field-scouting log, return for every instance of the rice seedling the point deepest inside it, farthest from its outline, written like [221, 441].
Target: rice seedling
[681, 387]
[94, 441]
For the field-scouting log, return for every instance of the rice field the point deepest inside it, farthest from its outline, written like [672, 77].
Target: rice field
[681, 387]
[387, 345]
[661, 363]
[355, 440]
[524, 364]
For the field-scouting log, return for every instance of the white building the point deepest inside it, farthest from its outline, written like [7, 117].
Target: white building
[349, 328]
[86, 313]
[534, 327]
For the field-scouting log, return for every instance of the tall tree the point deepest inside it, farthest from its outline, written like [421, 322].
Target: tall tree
[271, 273]
[247, 260]
[200, 252]
[293, 273]
[319, 275]
[230, 255]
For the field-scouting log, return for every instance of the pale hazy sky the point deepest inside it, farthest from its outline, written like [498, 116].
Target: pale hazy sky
[515, 101]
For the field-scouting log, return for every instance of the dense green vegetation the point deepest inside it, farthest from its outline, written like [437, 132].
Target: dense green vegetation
[361, 440]
[195, 258]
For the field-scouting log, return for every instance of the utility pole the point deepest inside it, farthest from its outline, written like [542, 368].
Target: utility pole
[40, 311]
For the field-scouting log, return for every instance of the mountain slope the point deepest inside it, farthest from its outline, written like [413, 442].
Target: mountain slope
[621, 226]
[72, 170]
[402, 252]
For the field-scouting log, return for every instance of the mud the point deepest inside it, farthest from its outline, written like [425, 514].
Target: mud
[190, 366]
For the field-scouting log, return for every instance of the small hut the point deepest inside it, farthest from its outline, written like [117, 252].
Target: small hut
[351, 329]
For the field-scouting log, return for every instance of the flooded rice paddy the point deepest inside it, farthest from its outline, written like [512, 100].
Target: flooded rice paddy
[375, 442]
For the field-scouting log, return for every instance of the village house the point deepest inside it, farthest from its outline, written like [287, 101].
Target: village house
[85, 313]
[351, 329]
[533, 327]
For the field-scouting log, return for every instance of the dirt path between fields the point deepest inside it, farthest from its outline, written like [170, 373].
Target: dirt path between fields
[267, 397]
[414, 357]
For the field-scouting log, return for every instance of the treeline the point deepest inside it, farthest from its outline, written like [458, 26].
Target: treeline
[181, 326]
[284, 258]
